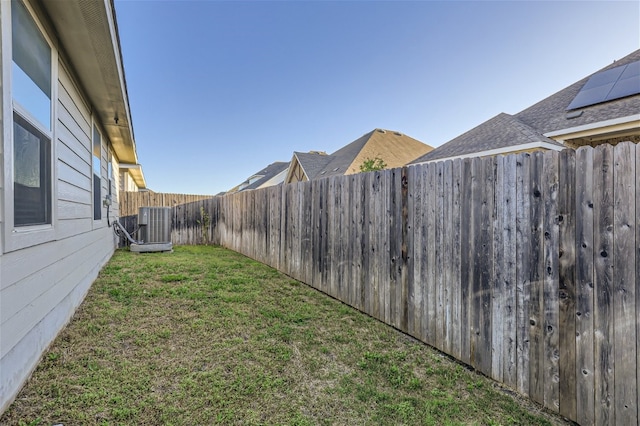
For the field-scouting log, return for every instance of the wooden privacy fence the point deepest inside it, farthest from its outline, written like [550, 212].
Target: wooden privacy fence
[526, 266]
[130, 202]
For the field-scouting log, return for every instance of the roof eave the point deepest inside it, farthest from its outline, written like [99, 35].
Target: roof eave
[616, 125]
[88, 32]
[135, 171]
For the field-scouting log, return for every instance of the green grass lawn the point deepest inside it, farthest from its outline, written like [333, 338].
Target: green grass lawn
[206, 336]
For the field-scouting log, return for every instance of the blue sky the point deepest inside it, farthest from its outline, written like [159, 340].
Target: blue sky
[218, 90]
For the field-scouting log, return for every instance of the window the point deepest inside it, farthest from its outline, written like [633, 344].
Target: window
[31, 95]
[32, 174]
[110, 171]
[97, 174]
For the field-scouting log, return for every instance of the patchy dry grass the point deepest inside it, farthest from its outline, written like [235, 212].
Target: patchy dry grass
[207, 336]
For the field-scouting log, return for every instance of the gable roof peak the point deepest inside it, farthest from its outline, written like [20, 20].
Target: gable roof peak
[395, 132]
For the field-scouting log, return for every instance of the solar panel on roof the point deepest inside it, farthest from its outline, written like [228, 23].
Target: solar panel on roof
[614, 83]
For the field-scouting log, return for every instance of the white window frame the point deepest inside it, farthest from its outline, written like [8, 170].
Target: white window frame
[97, 223]
[18, 237]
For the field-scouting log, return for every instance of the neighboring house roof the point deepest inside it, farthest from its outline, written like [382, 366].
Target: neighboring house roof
[394, 148]
[502, 133]
[88, 32]
[551, 115]
[312, 163]
[267, 173]
[549, 123]
[275, 179]
[262, 177]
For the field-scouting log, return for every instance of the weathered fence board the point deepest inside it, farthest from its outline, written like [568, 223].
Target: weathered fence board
[536, 264]
[455, 325]
[523, 276]
[447, 255]
[508, 266]
[362, 252]
[416, 205]
[566, 284]
[407, 260]
[343, 267]
[585, 363]
[375, 245]
[498, 292]
[466, 259]
[484, 268]
[395, 246]
[526, 267]
[438, 246]
[355, 237]
[428, 315]
[385, 264]
[603, 285]
[624, 297]
[550, 291]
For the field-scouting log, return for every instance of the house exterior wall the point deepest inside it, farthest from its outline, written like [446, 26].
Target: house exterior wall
[2, 80]
[45, 278]
[126, 182]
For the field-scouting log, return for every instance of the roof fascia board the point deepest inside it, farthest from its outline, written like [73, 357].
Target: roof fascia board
[129, 166]
[497, 151]
[615, 124]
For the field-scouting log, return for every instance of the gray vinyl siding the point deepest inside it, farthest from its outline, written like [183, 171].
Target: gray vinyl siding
[2, 213]
[42, 285]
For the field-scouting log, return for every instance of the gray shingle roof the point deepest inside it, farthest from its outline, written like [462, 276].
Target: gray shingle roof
[532, 123]
[312, 163]
[501, 131]
[393, 148]
[342, 158]
[267, 173]
[550, 114]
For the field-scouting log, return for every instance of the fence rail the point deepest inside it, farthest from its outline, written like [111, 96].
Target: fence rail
[525, 267]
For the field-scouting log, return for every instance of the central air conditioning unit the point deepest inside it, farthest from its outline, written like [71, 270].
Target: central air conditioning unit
[154, 232]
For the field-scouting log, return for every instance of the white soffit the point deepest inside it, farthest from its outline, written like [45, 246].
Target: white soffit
[88, 34]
